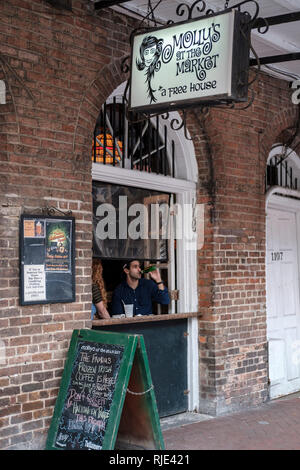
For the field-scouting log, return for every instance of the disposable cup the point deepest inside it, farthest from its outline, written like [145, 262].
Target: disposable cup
[128, 309]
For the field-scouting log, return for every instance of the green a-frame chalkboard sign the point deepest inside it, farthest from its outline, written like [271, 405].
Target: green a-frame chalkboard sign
[106, 398]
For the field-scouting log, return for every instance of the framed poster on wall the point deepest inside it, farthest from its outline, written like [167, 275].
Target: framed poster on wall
[47, 259]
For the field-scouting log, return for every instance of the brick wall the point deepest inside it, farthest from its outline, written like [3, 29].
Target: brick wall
[59, 69]
[232, 148]
[50, 63]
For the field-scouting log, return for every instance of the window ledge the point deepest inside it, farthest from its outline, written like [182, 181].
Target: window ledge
[145, 318]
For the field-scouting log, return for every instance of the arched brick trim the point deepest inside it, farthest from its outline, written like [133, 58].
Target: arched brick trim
[284, 119]
[97, 91]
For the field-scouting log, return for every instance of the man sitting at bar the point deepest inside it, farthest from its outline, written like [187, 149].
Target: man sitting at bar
[138, 291]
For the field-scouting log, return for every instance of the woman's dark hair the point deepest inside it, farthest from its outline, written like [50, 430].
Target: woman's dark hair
[150, 41]
[97, 278]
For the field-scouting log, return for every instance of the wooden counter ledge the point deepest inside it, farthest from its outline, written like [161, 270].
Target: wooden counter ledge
[145, 318]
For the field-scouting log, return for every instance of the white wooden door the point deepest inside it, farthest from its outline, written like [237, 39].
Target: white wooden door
[283, 314]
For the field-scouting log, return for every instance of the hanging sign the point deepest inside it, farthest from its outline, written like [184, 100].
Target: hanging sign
[200, 61]
[106, 398]
[47, 259]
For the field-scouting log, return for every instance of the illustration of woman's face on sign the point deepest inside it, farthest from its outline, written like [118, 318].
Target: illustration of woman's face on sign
[149, 54]
[149, 61]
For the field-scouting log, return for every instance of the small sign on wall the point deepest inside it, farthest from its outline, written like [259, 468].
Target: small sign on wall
[196, 62]
[47, 259]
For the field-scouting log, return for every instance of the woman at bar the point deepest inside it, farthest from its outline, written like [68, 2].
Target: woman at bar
[99, 291]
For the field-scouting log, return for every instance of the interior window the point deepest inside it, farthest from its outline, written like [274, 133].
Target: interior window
[131, 223]
[139, 144]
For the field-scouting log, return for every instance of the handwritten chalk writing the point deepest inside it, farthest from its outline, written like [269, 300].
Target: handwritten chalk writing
[96, 401]
[97, 359]
[74, 396]
[107, 369]
[89, 397]
[100, 350]
[86, 368]
[84, 357]
[63, 437]
[85, 377]
[105, 380]
[75, 425]
[81, 418]
[95, 423]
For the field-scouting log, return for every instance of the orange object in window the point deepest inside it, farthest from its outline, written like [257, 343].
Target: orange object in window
[98, 157]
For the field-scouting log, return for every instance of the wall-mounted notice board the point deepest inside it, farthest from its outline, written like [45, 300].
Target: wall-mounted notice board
[47, 259]
[106, 398]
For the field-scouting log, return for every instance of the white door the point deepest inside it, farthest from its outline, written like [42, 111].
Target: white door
[283, 314]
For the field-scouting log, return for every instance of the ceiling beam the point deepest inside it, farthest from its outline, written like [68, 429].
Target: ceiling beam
[108, 3]
[276, 59]
[279, 19]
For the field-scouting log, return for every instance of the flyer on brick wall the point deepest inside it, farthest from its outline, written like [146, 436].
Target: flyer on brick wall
[58, 246]
[47, 259]
[34, 283]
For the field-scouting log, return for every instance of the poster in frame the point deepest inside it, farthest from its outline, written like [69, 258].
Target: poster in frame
[47, 259]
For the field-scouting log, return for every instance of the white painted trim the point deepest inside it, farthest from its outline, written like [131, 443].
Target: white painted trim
[186, 255]
[278, 149]
[184, 186]
[188, 302]
[275, 190]
[140, 179]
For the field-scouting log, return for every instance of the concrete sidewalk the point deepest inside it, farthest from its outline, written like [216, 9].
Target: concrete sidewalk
[272, 426]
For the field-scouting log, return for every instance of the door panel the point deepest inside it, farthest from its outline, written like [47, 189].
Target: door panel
[283, 313]
[166, 346]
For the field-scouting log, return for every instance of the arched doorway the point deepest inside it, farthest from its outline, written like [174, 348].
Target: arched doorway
[176, 178]
[282, 270]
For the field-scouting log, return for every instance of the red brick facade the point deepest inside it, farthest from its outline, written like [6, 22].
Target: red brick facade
[233, 346]
[59, 67]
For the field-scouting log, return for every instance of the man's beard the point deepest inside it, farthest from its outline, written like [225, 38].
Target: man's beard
[135, 277]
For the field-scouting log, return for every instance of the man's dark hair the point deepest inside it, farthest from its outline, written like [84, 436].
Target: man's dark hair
[127, 263]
